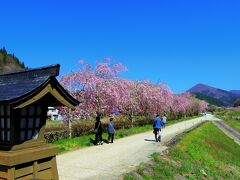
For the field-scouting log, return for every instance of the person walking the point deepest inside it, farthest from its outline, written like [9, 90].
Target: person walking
[98, 129]
[164, 120]
[157, 123]
[111, 130]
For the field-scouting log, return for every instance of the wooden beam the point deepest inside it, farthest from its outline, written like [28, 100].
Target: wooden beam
[41, 94]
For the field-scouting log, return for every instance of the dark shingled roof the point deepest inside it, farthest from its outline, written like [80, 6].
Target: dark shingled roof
[13, 89]
[18, 84]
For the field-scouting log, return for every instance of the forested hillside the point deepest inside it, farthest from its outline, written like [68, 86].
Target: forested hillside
[9, 63]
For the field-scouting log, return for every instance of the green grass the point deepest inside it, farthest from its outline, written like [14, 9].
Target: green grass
[229, 112]
[233, 113]
[65, 145]
[53, 123]
[204, 150]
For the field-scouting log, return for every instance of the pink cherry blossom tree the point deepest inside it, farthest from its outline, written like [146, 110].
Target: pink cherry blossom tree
[100, 90]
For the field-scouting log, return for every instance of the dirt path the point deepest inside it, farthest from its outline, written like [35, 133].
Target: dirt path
[110, 161]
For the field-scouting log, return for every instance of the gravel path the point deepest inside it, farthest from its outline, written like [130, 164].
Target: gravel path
[110, 161]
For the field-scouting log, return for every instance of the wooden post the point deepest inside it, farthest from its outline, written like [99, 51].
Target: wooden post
[11, 173]
[54, 168]
[35, 169]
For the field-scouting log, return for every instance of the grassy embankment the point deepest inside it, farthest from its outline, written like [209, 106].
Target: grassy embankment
[231, 117]
[204, 153]
[65, 145]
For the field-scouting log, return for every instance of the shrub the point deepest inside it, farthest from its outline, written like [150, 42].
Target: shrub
[82, 128]
[56, 135]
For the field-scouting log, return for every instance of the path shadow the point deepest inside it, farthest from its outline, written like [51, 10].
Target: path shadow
[105, 141]
[152, 140]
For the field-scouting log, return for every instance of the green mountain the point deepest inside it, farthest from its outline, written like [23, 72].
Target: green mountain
[209, 99]
[226, 97]
[9, 63]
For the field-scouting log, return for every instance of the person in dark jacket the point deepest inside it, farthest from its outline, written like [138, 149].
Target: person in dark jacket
[111, 130]
[98, 129]
[157, 123]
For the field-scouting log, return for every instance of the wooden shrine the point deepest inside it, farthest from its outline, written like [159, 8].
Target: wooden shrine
[24, 100]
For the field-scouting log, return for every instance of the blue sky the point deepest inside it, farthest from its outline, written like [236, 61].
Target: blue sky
[178, 42]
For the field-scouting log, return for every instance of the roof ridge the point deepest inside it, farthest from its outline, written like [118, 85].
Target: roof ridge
[51, 71]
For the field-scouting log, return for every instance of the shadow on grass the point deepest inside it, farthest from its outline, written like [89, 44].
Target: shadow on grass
[93, 141]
